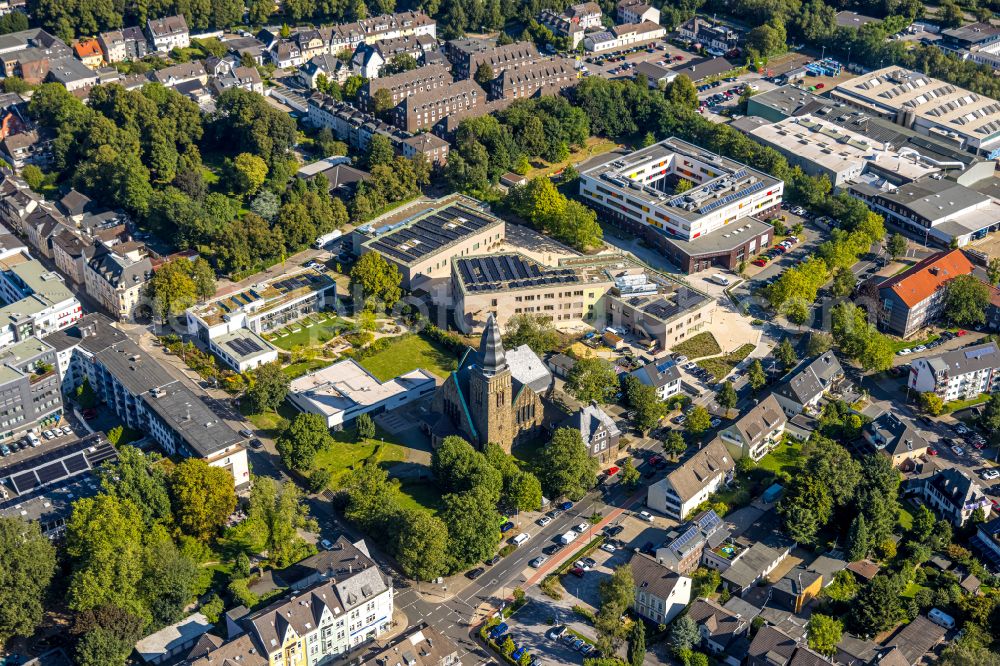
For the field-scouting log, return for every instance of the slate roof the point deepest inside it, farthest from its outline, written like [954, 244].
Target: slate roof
[723, 627]
[652, 577]
[917, 638]
[812, 379]
[660, 373]
[771, 642]
[701, 468]
[528, 369]
[760, 421]
[589, 418]
[899, 436]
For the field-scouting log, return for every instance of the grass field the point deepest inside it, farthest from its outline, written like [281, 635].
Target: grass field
[897, 345]
[786, 457]
[958, 405]
[703, 344]
[344, 454]
[316, 329]
[409, 353]
[299, 368]
[723, 365]
[271, 423]
[592, 147]
[420, 495]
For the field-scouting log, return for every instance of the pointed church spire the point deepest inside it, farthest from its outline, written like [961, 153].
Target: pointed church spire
[491, 356]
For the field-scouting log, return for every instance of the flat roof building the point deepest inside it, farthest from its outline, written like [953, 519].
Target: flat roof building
[423, 238]
[930, 106]
[641, 192]
[343, 391]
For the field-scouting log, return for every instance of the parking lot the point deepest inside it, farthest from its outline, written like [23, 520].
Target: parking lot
[23, 447]
[610, 65]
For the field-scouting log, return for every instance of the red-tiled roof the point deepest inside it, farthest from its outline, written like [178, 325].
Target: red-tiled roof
[87, 48]
[918, 283]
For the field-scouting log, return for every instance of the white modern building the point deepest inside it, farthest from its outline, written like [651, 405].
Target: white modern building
[663, 375]
[623, 36]
[344, 391]
[930, 106]
[38, 302]
[696, 205]
[961, 374]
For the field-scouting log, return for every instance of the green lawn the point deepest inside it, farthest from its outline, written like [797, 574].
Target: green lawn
[703, 344]
[271, 423]
[316, 329]
[723, 365]
[409, 353]
[345, 453]
[420, 495]
[299, 368]
[958, 405]
[786, 457]
[911, 590]
[905, 519]
[910, 344]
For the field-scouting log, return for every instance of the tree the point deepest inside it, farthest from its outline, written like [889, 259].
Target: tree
[421, 545]
[644, 401]
[371, 496]
[819, 343]
[768, 39]
[268, 388]
[203, 497]
[31, 174]
[629, 475]
[141, 479]
[992, 270]
[458, 467]
[593, 379]
[104, 543]
[637, 643]
[13, 22]
[684, 635]
[824, 633]
[366, 427]
[536, 331]
[275, 515]
[786, 354]
[266, 204]
[107, 646]
[989, 419]
[617, 594]
[858, 541]
[27, 564]
[172, 290]
[484, 74]
[380, 152]
[674, 445]
[965, 300]
[896, 245]
[248, 173]
[473, 528]
[377, 279]
[931, 403]
[698, 421]
[302, 440]
[169, 580]
[844, 282]
[951, 14]
[756, 375]
[568, 469]
[727, 395]
[877, 607]
[381, 102]
[682, 92]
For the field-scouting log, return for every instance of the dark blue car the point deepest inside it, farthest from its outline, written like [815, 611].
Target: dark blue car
[516, 654]
[566, 506]
[506, 527]
[499, 629]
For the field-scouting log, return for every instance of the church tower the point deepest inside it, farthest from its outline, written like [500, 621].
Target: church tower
[490, 388]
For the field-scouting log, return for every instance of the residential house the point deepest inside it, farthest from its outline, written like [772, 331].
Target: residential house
[71, 254]
[183, 72]
[347, 36]
[330, 66]
[951, 493]
[809, 382]
[716, 38]
[660, 594]
[960, 374]
[367, 61]
[116, 276]
[310, 43]
[287, 54]
[914, 641]
[663, 375]
[797, 588]
[343, 179]
[89, 52]
[690, 484]
[560, 365]
[573, 22]
[245, 78]
[599, 431]
[72, 74]
[773, 647]
[29, 388]
[24, 148]
[17, 202]
[167, 644]
[637, 11]
[249, 47]
[624, 35]
[758, 560]
[168, 33]
[125, 44]
[432, 147]
[986, 543]
[41, 225]
[915, 298]
[757, 432]
[322, 623]
[685, 546]
[720, 630]
[896, 438]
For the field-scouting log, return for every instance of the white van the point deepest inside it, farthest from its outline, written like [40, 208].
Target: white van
[941, 618]
[568, 538]
[719, 278]
[520, 538]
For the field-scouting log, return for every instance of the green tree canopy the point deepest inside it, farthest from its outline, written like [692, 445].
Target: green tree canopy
[302, 440]
[593, 379]
[377, 279]
[27, 563]
[567, 467]
[203, 497]
[965, 300]
[268, 387]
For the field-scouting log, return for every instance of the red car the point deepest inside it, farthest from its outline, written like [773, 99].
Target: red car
[655, 459]
[759, 262]
[612, 470]
[577, 571]
[961, 333]
[820, 86]
[932, 452]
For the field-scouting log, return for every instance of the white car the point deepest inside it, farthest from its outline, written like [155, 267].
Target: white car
[646, 515]
[608, 547]
[904, 352]
[66, 430]
[681, 359]
[48, 434]
[581, 564]
[919, 348]
[543, 521]
[991, 474]
[325, 544]
[581, 528]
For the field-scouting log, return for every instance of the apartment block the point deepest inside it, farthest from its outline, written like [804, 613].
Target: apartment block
[116, 275]
[347, 36]
[36, 300]
[544, 77]
[756, 433]
[29, 388]
[915, 298]
[169, 32]
[468, 55]
[960, 374]
[683, 489]
[426, 109]
[404, 84]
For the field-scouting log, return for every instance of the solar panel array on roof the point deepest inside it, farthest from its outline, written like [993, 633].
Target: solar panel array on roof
[25, 482]
[244, 346]
[49, 456]
[508, 271]
[429, 234]
[51, 472]
[103, 451]
[709, 521]
[681, 541]
[76, 463]
[977, 353]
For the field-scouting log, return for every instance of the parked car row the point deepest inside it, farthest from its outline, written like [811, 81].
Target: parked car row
[570, 639]
[30, 440]
[777, 250]
[499, 635]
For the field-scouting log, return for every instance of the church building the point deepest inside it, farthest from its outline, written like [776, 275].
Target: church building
[493, 396]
